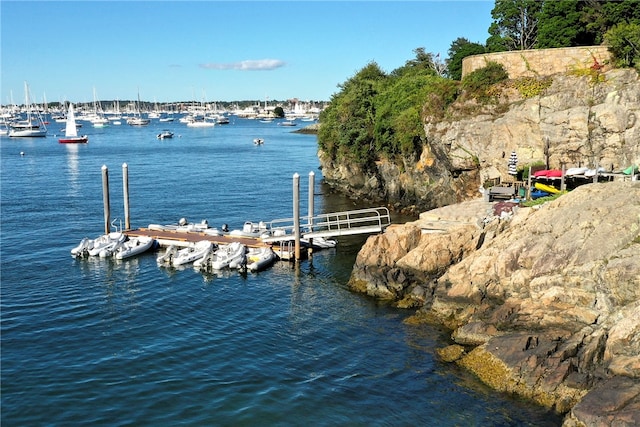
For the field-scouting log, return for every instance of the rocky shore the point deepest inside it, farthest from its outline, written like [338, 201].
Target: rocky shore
[543, 302]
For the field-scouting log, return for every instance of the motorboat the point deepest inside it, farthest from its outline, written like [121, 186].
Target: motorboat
[258, 141]
[83, 248]
[134, 246]
[319, 243]
[191, 253]
[106, 243]
[221, 257]
[251, 229]
[165, 134]
[168, 255]
[71, 130]
[257, 259]
[184, 226]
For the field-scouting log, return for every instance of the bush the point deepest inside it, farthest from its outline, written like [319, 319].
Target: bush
[478, 83]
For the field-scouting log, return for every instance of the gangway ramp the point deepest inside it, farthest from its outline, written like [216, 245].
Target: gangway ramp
[336, 224]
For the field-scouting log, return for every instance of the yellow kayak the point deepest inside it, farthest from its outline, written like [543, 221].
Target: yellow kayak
[546, 188]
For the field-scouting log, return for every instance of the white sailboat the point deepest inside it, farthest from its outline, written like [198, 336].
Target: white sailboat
[71, 130]
[138, 120]
[33, 126]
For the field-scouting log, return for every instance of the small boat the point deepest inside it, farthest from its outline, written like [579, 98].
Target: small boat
[138, 121]
[575, 171]
[200, 124]
[257, 259]
[251, 229]
[546, 188]
[83, 248]
[191, 253]
[258, 141]
[106, 242]
[167, 257]
[71, 130]
[134, 246]
[165, 134]
[319, 243]
[226, 255]
[288, 123]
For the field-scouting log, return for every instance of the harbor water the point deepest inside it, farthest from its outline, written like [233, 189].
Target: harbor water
[106, 342]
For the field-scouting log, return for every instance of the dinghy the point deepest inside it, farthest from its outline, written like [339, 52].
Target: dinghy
[226, 255]
[191, 253]
[106, 243]
[257, 259]
[134, 246]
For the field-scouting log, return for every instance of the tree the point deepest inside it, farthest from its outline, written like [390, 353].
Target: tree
[560, 25]
[460, 49]
[624, 44]
[423, 63]
[348, 122]
[515, 24]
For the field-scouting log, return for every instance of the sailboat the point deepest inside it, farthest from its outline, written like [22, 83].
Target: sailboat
[138, 120]
[71, 131]
[33, 126]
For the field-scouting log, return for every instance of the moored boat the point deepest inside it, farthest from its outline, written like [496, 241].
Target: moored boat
[165, 134]
[191, 253]
[71, 130]
[134, 246]
[257, 259]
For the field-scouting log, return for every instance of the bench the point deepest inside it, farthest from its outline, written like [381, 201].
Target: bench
[500, 192]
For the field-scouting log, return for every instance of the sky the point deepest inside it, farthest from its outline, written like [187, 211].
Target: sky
[210, 51]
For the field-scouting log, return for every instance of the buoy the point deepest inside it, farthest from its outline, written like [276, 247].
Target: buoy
[22, 153]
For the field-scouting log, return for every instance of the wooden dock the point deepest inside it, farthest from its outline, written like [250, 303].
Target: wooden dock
[167, 238]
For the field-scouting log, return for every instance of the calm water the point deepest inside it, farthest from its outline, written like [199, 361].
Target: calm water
[128, 343]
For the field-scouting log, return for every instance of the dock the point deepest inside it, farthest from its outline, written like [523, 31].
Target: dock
[278, 234]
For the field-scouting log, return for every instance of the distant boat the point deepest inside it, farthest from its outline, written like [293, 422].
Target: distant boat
[33, 126]
[165, 134]
[138, 120]
[71, 130]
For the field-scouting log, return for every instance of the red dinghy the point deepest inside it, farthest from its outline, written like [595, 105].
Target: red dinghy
[71, 131]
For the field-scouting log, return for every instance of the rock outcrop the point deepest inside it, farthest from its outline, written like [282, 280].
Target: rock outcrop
[576, 121]
[543, 302]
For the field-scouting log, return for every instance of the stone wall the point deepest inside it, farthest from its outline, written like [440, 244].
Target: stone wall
[539, 61]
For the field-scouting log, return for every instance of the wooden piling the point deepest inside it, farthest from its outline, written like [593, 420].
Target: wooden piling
[125, 192]
[105, 199]
[296, 214]
[312, 178]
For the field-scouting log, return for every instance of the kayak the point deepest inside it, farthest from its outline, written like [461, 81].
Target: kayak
[546, 188]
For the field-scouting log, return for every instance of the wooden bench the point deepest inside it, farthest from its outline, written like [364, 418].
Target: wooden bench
[501, 192]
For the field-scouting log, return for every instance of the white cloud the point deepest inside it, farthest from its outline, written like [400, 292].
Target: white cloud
[246, 65]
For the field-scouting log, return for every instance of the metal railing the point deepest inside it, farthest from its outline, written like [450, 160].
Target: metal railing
[361, 221]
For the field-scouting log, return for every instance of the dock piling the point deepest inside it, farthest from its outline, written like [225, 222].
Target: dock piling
[312, 177]
[105, 199]
[296, 214]
[125, 191]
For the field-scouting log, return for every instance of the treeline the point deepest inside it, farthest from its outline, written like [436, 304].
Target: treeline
[377, 114]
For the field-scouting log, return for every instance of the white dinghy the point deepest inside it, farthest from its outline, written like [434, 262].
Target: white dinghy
[134, 246]
[257, 259]
[191, 253]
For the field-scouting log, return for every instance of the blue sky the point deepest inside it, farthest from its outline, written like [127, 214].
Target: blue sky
[217, 50]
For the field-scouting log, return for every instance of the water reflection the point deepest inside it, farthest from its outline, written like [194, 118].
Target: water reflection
[73, 168]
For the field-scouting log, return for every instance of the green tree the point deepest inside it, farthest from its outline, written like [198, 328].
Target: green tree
[515, 25]
[278, 112]
[599, 16]
[424, 63]
[348, 123]
[624, 44]
[560, 25]
[460, 49]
